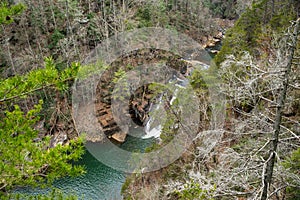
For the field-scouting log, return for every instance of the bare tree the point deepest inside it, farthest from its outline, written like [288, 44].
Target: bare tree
[292, 44]
[262, 124]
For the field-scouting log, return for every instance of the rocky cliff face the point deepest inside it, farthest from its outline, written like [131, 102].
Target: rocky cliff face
[140, 100]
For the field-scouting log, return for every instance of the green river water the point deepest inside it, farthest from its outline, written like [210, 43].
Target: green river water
[100, 182]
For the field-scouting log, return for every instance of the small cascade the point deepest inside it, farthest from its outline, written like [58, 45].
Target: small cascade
[152, 132]
[153, 127]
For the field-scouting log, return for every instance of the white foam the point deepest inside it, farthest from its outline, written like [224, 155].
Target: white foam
[155, 133]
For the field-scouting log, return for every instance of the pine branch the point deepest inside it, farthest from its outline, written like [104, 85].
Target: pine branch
[34, 90]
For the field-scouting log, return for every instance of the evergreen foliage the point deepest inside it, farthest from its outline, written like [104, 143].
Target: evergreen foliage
[21, 85]
[64, 29]
[27, 160]
[193, 191]
[7, 12]
[293, 165]
[255, 25]
[223, 9]
[255, 54]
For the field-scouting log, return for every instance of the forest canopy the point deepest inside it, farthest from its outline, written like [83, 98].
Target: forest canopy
[45, 43]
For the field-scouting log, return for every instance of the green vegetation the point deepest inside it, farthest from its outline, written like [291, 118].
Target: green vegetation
[7, 12]
[223, 9]
[259, 55]
[55, 37]
[255, 28]
[55, 194]
[251, 65]
[292, 164]
[152, 14]
[20, 86]
[27, 159]
[193, 191]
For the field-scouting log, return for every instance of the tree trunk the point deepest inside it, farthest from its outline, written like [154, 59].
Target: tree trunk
[272, 158]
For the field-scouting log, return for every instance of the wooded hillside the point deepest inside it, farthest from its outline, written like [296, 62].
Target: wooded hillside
[43, 44]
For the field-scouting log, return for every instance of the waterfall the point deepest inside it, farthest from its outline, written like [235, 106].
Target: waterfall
[152, 132]
[153, 127]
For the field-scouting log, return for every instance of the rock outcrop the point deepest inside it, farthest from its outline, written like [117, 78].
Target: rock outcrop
[140, 101]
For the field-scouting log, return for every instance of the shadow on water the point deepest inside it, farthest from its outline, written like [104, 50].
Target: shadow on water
[100, 182]
[212, 51]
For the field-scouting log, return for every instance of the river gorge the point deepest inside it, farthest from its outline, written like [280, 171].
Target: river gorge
[100, 181]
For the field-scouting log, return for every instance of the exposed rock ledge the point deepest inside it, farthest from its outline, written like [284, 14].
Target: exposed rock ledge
[119, 137]
[138, 106]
